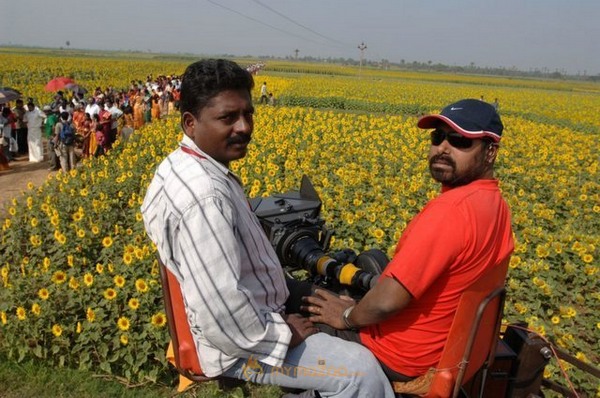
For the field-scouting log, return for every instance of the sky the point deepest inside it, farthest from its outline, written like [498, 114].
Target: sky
[560, 35]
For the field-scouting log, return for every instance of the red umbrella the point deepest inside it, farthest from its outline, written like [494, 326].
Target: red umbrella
[58, 83]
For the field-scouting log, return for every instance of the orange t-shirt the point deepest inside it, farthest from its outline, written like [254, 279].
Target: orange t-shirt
[446, 247]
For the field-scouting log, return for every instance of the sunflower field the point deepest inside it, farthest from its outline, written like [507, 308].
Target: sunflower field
[79, 282]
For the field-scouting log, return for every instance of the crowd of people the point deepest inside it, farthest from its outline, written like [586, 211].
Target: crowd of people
[75, 125]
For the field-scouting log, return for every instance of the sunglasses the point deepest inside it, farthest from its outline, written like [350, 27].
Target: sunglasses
[454, 139]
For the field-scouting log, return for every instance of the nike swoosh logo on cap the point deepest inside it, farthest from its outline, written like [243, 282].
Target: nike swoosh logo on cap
[455, 109]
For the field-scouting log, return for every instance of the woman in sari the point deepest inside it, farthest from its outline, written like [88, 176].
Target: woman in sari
[138, 112]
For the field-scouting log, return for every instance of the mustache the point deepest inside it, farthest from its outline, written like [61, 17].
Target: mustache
[239, 139]
[442, 159]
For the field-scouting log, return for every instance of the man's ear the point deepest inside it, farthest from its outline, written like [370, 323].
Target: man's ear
[491, 152]
[188, 123]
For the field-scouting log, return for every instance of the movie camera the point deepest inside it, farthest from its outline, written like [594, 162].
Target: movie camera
[294, 226]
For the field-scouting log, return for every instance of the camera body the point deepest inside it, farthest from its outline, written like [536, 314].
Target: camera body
[292, 222]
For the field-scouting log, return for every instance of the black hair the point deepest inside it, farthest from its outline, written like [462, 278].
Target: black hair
[64, 115]
[205, 79]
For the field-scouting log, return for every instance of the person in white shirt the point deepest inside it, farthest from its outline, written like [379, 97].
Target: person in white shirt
[233, 285]
[115, 114]
[92, 107]
[34, 118]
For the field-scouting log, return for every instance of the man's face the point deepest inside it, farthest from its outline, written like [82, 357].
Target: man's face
[223, 128]
[455, 166]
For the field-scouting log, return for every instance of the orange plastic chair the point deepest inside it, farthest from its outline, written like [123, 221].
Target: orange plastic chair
[186, 359]
[182, 342]
[472, 340]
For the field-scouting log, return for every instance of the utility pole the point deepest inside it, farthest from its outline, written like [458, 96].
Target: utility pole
[296, 51]
[362, 47]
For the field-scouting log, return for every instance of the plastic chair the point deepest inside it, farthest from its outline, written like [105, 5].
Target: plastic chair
[471, 343]
[186, 359]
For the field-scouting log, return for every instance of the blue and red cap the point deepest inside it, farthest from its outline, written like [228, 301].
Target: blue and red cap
[471, 118]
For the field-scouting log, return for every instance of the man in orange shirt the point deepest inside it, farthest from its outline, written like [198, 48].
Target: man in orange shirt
[405, 318]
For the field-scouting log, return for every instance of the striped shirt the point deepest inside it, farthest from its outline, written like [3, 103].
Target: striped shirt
[233, 286]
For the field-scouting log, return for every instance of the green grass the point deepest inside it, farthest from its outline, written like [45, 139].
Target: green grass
[29, 379]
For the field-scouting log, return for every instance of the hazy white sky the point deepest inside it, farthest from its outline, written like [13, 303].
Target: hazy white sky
[559, 35]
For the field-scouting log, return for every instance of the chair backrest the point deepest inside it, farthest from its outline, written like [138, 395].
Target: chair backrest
[186, 357]
[473, 334]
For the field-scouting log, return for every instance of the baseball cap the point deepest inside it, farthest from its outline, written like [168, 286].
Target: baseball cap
[471, 118]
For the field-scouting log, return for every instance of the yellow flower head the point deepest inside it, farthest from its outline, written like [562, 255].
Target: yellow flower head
[43, 294]
[110, 294]
[36, 309]
[124, 339]
[123, 323]
[107, 241]
[141, 286]
[90, 315]
[133, 303]
[127, 258]
[88, 279]
[119, 280]
[159, 319]
[35, 240]
[21, 313]
[4, 319]
[73, 283]
[78, 329]
[59, 277]
[57, 330]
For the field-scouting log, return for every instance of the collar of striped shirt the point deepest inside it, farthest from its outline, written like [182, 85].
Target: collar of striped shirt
[188, 146]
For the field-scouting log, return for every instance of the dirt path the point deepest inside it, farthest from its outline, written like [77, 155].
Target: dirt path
[14, 181]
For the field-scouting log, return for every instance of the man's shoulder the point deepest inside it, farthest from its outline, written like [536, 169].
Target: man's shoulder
[192, 180]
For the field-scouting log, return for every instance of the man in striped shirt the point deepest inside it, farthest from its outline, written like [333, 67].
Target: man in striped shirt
[234, 288]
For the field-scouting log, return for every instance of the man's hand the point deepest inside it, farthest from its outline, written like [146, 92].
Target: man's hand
[301, 328]
[327, 308]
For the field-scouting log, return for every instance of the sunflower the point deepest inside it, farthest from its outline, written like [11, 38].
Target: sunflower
[124, 339]
[141, 286]
[33, 222]
[119, 280]
[90, 315]
[110, 294]
[123, 323]
[73, 283]
[36, 309]
[5, 320]
[43, 294]
[35, 240]
[127, 258]
[133, 303]
[57, 330]
[107, 241]
[159, 320]
[88, 279]
[78, 329]
[21, 313]
[59, 277]
[80, 233]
